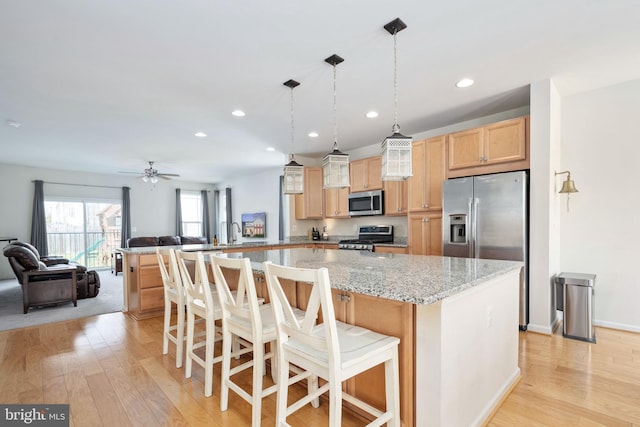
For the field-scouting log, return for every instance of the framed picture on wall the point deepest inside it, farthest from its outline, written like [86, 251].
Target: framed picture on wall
[254, 224]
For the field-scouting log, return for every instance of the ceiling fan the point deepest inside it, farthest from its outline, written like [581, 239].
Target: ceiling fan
[151, 175]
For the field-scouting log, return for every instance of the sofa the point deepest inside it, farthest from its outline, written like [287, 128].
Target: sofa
[49, 280]
[136, 242]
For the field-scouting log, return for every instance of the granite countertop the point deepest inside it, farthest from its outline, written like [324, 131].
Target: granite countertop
[414, 279]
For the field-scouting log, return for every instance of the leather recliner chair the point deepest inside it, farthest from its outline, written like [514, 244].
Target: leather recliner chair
[25, 257]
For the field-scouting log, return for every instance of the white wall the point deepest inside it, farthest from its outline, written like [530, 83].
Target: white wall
[599, 234]
[256, 193]
[152, 208]
[544, 243]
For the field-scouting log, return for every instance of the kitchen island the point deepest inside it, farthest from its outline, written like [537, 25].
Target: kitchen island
[457, 320]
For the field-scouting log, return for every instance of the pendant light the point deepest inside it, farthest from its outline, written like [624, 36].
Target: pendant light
[396, 149]
[335, 165]
[293, 171]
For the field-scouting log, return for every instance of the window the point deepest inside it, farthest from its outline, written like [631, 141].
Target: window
[191, 203]
[83, 231]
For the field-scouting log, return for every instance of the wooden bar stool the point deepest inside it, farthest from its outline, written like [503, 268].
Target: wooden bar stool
[244, 316]
[334, 351]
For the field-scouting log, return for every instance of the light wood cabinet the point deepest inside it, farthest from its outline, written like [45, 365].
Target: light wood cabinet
[395, 198]
[428, 164]
[145, 291]
[425, 234]
[309, 205]
[336, 202]
[366, 174]
[498, 147]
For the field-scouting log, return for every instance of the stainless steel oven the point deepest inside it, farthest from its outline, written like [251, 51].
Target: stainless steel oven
[368, 236]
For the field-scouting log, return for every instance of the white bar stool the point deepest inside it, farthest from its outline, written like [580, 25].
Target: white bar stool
[244, 316]
[173, 294]
[333, 350]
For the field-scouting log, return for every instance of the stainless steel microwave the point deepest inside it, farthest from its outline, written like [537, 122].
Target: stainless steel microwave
[366, 203]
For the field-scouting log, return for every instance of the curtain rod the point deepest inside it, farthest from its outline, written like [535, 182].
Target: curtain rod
[79, 185]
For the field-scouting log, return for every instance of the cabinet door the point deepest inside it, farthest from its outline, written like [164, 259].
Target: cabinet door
[390, 250]
[425, 186]
[309, 205]
[357, 175]
[336, 202]
[425, 234]
[395, 197]
[505, 141]
[466, 148]
[366, 174]
[397, 321]
[374, 173]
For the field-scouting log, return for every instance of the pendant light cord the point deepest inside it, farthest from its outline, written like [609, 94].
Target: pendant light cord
[292, 126]
[335, 111]
[396, 126]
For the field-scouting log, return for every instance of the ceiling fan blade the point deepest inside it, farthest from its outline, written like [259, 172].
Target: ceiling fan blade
[168, 174]
[160, 175]
[134, 173]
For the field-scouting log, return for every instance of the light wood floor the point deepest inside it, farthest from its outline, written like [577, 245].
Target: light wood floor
[111, 370]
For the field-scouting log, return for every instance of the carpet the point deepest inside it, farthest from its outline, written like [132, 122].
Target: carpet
[109, 299]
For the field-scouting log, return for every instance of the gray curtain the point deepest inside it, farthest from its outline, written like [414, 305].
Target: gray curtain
[281, 209]
[206, 225]
[216, 214]
[125, 233]
[229, 215]
[178, 213]
[39, 221]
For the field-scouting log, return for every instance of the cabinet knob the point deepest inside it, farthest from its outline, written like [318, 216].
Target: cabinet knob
[425, 219]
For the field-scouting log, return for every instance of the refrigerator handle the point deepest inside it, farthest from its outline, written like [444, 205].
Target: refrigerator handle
[470, 226]
[475, 228]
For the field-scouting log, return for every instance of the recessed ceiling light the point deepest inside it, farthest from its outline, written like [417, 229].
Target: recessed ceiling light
[271, 149]
[372, 114]
[313, 134]
[200, 134]
[464, 83]
[13, 123]
[238, 113]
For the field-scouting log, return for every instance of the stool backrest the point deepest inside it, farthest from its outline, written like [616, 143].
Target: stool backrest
[171, 278]
[198, 287]
[320, 300]
[244, 305]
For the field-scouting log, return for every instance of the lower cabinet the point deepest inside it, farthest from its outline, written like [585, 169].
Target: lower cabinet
[425, 234]
[145, 291]
[390, 250]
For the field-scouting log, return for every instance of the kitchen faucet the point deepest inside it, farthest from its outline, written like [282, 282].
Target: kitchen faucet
[234, 236]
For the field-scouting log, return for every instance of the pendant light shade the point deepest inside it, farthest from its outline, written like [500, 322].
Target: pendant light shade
[335, 165]
[293, 171]
[396, 149]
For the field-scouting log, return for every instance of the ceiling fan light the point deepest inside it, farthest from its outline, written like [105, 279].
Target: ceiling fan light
[153, 179]
[145, 178]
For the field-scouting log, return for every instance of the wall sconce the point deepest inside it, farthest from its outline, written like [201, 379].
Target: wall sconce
[568, 186]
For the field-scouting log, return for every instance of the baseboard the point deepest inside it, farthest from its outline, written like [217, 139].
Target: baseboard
[614, 325]
[547, 330]
[496, 402]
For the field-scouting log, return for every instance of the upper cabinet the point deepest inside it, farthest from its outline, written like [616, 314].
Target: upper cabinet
[336, 202]
[366, 174]
[309, 204]
[428, 164]
[395, 198]
[498, 147]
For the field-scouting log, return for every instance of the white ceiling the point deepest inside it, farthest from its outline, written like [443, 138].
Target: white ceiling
[107, 85]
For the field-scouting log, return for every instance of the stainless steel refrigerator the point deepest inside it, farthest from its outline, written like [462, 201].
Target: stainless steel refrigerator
[487, 217]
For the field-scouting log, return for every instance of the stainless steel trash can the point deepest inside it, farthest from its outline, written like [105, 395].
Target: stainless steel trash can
[577, 301]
